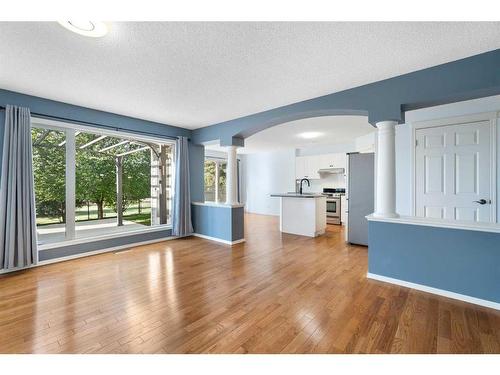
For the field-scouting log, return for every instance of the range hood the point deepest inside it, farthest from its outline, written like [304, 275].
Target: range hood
[331, 171]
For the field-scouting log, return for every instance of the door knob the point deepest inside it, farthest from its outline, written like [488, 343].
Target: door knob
[482, 201]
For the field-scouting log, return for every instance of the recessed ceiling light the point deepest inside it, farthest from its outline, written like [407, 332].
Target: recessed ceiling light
[310, 135]
[93, 29]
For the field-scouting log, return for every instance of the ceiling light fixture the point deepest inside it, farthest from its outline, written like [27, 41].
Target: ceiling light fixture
[93, 29]
[310, 135]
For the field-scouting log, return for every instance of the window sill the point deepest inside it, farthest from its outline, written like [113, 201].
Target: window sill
[78, 241]
[439, 223]
[216, 204]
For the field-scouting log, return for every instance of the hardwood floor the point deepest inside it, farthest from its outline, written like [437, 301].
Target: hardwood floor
[273, 294]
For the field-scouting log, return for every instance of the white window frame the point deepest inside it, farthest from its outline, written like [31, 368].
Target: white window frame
[218, 162]
[492, 117]
[70, 129]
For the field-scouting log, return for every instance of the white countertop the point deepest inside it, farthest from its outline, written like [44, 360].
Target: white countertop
[439, 223]
[217, 204]
[297, 195]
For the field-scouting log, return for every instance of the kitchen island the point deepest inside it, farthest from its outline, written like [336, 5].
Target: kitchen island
[302, 214]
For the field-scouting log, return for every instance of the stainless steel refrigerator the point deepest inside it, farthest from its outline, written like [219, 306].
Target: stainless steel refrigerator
[360, 195]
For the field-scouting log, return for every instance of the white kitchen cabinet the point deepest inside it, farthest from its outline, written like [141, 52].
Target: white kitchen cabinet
[328, 160]
[305, 216]
[336, 160]
[300, 167]
[313, 165]
[333, 160]
[341, 160]
[308, 166]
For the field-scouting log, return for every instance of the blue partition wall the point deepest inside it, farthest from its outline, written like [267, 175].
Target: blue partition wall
[225, 223]
[460, 261]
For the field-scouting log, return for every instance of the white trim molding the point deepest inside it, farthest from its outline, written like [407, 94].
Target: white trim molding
[89, 253]
[492, 117]
[226, 242]
[455, 120]
[70, 130]
[439, 223]
[439, 292]
[217, 204]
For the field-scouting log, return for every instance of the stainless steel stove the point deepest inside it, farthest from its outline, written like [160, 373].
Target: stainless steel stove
[333, 204]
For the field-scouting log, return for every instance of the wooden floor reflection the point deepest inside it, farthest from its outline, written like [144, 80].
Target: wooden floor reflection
[273, 294]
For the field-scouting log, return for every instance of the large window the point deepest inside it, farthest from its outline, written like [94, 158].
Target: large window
[49, 168]
[90, 184]
[215, 180]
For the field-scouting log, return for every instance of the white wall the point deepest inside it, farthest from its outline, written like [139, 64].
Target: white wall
[365, 143]
[404, 146]
[274, 172]
[327, 149]
[265, 173]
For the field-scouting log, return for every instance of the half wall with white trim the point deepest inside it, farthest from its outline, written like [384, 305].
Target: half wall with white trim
[447, 258]
[219, 222]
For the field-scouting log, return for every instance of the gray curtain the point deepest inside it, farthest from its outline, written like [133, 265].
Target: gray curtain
[181, 219]
[17, 197]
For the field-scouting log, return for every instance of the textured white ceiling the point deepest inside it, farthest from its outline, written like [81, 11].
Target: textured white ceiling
[334, 130]
[197, 74]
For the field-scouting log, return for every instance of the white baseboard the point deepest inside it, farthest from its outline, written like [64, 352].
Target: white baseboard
[440, 292]
[88, 253]
[218, 239]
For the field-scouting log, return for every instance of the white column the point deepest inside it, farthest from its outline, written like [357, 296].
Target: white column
[385, 205]
[231, 176]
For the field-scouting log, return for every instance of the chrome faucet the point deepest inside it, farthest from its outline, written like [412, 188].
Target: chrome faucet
[308, 184]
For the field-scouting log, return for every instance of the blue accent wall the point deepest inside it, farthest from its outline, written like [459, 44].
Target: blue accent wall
[197, 172]
[460, 261]
[76, 113]
[469, 78]
[225, 223]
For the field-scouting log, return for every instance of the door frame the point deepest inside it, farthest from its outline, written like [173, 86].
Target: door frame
[492, 117]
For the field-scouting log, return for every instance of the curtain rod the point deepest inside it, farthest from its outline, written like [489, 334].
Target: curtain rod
[49, 117]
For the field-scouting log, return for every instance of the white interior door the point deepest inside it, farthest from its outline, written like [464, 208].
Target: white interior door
[453, 172]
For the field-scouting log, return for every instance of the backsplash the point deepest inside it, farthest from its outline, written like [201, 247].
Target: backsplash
[333, 181]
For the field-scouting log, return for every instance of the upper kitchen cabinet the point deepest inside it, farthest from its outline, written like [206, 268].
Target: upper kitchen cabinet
[333, 160]
[327, 161]
[300, 167]
[308, 166]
